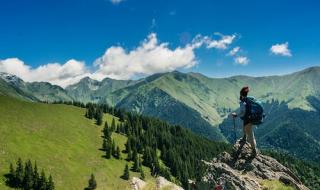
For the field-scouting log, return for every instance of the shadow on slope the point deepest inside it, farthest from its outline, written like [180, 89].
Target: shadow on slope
[158, 103]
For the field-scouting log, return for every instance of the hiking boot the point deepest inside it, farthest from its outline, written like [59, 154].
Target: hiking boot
[254, 153]
[243, 139]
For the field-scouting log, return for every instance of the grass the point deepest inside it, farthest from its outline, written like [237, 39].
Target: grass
[62, 141]
[274, 185]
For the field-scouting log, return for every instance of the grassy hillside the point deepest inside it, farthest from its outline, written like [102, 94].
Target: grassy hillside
[62, 141]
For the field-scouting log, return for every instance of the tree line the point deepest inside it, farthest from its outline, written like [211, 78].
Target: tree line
[179, 150]
[27, 177]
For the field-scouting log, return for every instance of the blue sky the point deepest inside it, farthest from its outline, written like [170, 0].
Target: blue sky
[40, 32]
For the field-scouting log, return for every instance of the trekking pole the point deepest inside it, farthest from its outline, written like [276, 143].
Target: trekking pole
[234, 129]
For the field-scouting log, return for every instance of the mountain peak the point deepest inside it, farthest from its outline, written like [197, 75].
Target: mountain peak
[9, 78]
[239, 170]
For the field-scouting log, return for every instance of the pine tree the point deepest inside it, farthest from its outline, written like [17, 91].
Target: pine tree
[35, 177]
[43, 181]
[142, 176]
[113, 148]
[92, 183]
[128, 149]
[104, 145]
[113, 125]
[28, 176]
[118, 154]
[106, 131]
[19, 173]
[126, 174]
[99, 116]
[12, 175]
[50, 183]
[118, 128]
[136, 164]
[108, 149]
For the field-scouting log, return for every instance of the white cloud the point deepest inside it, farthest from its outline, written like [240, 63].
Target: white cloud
[151, 56]
[62, 75]
[241, 60]
[234, 51]
[222, 43]
[281, 49]
[148, 58]
[116, 1]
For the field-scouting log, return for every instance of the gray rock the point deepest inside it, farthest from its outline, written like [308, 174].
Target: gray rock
[240, 170]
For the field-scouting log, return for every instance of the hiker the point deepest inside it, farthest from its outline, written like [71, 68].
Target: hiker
[243, 113]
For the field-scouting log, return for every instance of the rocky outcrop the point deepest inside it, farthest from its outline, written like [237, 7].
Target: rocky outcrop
[137, 184]
[163, 183]
[240, 170]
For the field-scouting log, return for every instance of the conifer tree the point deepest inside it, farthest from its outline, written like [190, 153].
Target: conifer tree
[128, 150]
[113, 148]
[99, 116]
[113, 125]
[136, 164]
[12, 174]
[50, 183]
[19, 173]
[142, 175]
[126, 174]
[118, 154]
[104, 144]
[118, 128]
[43, 181]
[107, 132]
[92, 183]
[35, 177]
[108, 149]
[28, 176]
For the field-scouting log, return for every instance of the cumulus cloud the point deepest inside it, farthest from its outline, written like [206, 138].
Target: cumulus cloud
[234, 51]
[281, 49]
[241, 60]
[116, 1]
[149, 57]
[55, 73]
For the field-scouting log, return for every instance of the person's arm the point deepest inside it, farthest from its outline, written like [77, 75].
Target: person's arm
[241, 112]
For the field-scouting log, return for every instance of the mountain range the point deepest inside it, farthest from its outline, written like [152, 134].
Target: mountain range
[202, 104]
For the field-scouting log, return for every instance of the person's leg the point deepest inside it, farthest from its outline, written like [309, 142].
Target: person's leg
[244, 138]
[250, 136]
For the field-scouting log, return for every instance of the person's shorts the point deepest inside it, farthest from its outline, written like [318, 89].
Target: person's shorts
[245, 122]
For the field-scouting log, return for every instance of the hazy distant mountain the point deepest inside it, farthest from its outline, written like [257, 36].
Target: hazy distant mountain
[89, 90]
[36, 91]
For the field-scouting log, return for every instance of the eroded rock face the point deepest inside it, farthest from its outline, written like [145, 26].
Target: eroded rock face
[241, 171]
[137, 183]
[163, 183]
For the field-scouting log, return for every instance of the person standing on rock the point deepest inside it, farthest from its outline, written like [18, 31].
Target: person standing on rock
[243, 113]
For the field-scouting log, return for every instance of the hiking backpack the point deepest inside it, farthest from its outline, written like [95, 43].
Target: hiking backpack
[254, 111]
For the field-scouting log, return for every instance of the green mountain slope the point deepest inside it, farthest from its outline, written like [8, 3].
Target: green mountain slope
[62, 141]
[157, 103]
